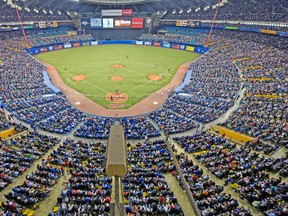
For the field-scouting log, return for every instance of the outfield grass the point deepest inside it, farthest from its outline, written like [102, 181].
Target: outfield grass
[95, 62]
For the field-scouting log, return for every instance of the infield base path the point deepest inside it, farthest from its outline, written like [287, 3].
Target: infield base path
[148, 104]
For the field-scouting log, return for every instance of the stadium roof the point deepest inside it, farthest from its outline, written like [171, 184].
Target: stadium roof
[97, 5]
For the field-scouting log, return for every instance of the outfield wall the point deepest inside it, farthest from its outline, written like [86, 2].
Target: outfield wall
[59, 46]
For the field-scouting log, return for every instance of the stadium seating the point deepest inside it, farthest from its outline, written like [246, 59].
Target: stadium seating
[9, 15]
[257, 10]
[245, 171]
[237, 63]
[18, 154]
[145, 184]
[89, 189]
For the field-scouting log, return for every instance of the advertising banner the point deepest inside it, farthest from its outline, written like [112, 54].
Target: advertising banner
[126, 12]
[139, 42]
[108, 23]
[175, 46]
[55, 24]
[147, 43]
[42, 24]
[190, 48]
[85, 23]
[67, 45]
[50, 48]
[43, 49]
[182, 47]
[117, 12]
[157, 44]
[76, 44]
[93, 43]
[137, 22]
[268, 32]
[96, 22]
[85, 44]
[285, 34]
[187, 23]
[167, 45]
[122, 23]
[58, 47]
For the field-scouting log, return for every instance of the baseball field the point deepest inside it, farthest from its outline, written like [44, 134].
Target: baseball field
[117, 76]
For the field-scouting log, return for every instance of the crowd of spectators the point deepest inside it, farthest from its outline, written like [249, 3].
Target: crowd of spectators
[245, 172]
[18, 154]
[171, 122]
[209, 197]
[139, 128]
[63, 122]
[9, 15]
[134, 128]
[246, 10]
[176, 38]
[145, 184]
[263, 118]
[88, 190]
[4, 124]
[36, 41]
[199, 142]
[262, 113]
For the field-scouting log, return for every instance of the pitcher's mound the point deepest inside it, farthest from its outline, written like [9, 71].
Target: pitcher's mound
[117, 66]
[116, 97]
[79, 77]
[116, 78]
[154, 77]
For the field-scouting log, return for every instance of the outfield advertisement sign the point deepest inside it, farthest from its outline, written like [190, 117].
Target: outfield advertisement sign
[157, 44]
[58, 47]
[94, 43]
[176, 46]
[167, 45]
[190, 48]
[147, 43]
[37, 50]
[67, 46]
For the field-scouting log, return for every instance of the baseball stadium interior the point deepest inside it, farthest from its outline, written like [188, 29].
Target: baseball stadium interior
[206, 137]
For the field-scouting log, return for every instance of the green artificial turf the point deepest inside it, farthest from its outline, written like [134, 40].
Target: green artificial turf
[95, 63]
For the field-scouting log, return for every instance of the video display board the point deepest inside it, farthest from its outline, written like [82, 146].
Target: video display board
[137, 22]
[122, 23]
[108, 22]
[96, 23]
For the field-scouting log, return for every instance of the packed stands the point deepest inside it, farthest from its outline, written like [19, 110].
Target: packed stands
[247, 10]
[245, 171]
[18, 154]
[89, 189]
[145, 183]
[9, 15]
[171, 122]
[209, 196]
